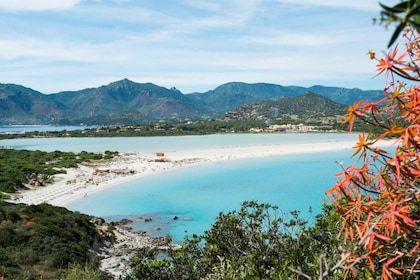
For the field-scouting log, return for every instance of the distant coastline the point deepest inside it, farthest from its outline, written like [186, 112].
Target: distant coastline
[22, 129]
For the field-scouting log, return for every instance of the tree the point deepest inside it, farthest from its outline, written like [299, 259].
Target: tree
[379, 195]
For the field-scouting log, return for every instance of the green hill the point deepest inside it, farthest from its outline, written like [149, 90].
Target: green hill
[306, 106]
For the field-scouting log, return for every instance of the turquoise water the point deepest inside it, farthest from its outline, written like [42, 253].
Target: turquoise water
[170, 143]
[200, 193]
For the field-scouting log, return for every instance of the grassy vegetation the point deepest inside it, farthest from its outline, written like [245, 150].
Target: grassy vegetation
[41, 241]
[17, 166]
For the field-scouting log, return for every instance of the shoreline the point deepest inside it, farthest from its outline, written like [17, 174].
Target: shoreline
[93, 177]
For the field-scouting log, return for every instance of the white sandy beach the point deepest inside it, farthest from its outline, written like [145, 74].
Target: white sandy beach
[95, 177]
[83, 181]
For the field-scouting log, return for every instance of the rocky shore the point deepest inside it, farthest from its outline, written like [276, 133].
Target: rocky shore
[119, 242]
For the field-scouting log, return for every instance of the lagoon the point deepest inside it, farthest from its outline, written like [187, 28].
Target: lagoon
[171, 143]
[295, 182]
[201, 192]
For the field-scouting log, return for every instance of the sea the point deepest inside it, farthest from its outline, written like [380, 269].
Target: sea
[187, 201]
[16, 129]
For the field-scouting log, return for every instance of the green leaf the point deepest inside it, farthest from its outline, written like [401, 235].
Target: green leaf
[413, 11]
[397, 32]
[396, 9]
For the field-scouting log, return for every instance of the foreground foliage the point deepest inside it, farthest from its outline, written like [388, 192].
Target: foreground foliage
[256, 242]
[41, 241]
[379, 197]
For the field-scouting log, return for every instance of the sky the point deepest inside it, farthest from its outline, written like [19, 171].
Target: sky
[193, 45]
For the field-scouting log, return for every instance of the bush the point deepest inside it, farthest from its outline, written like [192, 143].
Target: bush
[16, 166]
[47, 240]
[256, 242]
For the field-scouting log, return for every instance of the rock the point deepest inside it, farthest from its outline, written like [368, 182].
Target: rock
[148, 219]
[175, 218]
[98, 221]
[125, 222]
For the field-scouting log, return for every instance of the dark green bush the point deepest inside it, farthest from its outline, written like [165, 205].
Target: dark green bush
[43, 237]
[256, 242]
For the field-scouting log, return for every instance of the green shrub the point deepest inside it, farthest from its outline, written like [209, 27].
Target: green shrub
[77, 272]
[17, 165]
[42, 239]
[256, 242]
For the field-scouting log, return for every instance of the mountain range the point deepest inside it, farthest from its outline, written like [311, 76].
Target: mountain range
[125, 101]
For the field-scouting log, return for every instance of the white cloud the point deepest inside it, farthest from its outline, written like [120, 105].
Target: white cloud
[289, 39]
[364, 5]
[219, 15]
[193, 45]
[59, 51]
[37, 5]
[202, 5]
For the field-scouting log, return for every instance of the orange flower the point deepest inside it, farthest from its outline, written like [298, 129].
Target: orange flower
[390, 61]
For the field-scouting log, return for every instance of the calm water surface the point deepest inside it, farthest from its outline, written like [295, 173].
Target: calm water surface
[4, 129]
[202, 192]
[170, 143]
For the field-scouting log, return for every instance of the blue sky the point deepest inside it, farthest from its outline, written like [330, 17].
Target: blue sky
[193, 45]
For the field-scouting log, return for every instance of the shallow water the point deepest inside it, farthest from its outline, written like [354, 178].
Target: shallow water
[199, 193]
[202, 192]
[170, 143]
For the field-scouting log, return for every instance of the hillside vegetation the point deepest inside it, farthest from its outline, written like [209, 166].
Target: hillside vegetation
[19, 167]
[126, 102]
[305, 107]
[43, 241]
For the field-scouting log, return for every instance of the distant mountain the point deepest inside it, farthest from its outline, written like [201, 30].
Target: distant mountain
[234, 94]
[307, 105]
[347, 96]
[148, 99]
[21, 105]
[127, 102]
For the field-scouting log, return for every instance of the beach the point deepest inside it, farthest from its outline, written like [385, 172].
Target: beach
[96, 176]
[93, 177]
